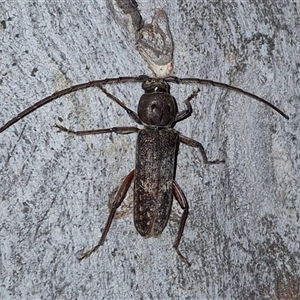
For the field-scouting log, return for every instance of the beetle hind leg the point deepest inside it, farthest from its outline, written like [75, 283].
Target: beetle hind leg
[179, 196]
[119, 197]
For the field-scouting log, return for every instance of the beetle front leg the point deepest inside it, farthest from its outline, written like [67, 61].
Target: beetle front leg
[179, 196]
[119, 197]
[133, 115]
[186, 113]
[192, 143]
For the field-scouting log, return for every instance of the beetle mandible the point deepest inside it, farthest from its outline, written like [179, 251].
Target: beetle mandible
[156, 150]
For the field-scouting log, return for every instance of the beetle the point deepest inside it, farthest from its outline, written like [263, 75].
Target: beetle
[156, 150]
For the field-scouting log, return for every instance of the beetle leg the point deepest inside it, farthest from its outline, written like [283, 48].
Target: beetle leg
[119, 197]
[133, 115]
[179, 196]
[118, 130]
[186, 113]
[192, 143]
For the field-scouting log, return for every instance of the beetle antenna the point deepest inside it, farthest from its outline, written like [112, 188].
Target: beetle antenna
[175, 79]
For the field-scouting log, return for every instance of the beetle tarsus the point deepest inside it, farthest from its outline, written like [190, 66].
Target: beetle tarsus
[183, 258]
[215, 162]
[82, 255]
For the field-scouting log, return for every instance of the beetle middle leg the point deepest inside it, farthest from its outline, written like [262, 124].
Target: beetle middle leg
[119, 197]
[192, 143]
[118, 130]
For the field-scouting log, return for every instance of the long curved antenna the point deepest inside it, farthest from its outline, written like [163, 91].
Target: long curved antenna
[69, 90]
[174, 79]
[141, 78]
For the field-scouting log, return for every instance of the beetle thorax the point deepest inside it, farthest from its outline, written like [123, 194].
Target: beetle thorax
[157, 109]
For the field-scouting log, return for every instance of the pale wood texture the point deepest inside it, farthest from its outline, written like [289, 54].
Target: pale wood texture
[242, 235]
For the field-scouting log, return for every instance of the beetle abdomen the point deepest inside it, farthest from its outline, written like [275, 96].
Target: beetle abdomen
[155, 161]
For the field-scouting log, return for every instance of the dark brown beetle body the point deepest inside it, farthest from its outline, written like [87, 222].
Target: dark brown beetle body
[156, 150]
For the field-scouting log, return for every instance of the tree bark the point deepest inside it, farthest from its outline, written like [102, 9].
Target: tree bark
[242, 234]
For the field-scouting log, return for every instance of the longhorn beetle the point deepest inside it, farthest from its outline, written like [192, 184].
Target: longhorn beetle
[156, 150]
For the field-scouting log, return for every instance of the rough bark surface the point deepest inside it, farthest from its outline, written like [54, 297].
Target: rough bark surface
[242, 235]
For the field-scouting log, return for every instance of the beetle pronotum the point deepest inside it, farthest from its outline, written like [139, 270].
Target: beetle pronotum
[156, 150]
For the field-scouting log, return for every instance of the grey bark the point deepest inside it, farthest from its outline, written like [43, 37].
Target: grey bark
[242, 235]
